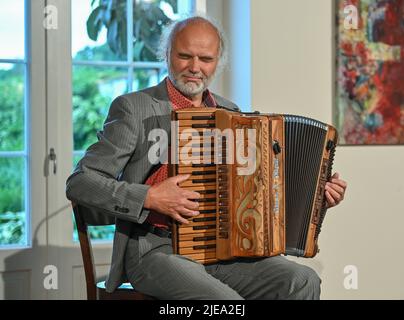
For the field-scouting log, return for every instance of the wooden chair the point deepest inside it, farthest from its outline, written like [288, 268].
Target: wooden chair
[97, 290]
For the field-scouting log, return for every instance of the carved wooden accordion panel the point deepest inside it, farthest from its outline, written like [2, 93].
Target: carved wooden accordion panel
[261, 180]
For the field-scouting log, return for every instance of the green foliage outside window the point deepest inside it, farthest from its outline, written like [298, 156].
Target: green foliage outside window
[149, 21]
[12, 109]
[90, 102]
[12, 228]
[12, 215]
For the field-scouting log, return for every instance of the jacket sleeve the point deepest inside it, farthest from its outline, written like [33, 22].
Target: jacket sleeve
[94, 182]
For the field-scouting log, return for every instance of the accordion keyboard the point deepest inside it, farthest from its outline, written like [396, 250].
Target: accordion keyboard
[194, 151]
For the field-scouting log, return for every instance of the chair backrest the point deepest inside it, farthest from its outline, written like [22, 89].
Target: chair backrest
[86, 250]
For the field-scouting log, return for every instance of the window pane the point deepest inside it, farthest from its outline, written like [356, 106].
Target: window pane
[144, 78]
[163, 74]
[99, 33]
[103, 233]
[150, 18]
[90, 38]
[76, 158]
[12, 29]
[12, 201]
[94, 88]
[11, 107]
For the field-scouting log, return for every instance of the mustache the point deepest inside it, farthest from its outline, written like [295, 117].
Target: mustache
[194, 75]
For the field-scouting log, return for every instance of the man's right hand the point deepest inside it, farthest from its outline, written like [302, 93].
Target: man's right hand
[168, 198]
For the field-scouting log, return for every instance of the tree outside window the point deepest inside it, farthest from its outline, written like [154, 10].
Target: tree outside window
[106, 64]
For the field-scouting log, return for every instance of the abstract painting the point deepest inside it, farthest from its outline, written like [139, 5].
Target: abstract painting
[369, 107]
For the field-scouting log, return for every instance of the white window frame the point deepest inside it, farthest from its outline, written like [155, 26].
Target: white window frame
[34, 124]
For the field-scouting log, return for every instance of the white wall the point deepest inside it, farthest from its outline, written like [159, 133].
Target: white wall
[292, 73]
[235, 81]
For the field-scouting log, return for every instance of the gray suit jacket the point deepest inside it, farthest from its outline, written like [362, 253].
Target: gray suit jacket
[108, 180]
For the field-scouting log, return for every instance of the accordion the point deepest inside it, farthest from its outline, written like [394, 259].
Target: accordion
[261, 178]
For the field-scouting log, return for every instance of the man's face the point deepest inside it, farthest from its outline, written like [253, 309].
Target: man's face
[194, 58]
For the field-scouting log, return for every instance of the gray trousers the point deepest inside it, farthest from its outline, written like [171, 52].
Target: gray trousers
[152, 268]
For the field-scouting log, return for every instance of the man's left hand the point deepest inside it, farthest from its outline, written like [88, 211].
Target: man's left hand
[335, 190]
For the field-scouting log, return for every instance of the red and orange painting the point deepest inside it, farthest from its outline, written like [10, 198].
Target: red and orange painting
[370, 72]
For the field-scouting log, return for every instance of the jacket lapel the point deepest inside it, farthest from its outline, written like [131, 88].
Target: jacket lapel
[162, 106]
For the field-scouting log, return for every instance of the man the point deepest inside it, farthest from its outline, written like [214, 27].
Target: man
[116, 177]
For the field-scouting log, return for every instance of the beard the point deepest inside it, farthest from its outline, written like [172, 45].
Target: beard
[190, 88]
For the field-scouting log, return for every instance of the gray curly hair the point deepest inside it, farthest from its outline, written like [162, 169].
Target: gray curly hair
[171, 31]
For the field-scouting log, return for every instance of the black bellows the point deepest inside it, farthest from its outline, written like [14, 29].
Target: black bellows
[304, 145]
